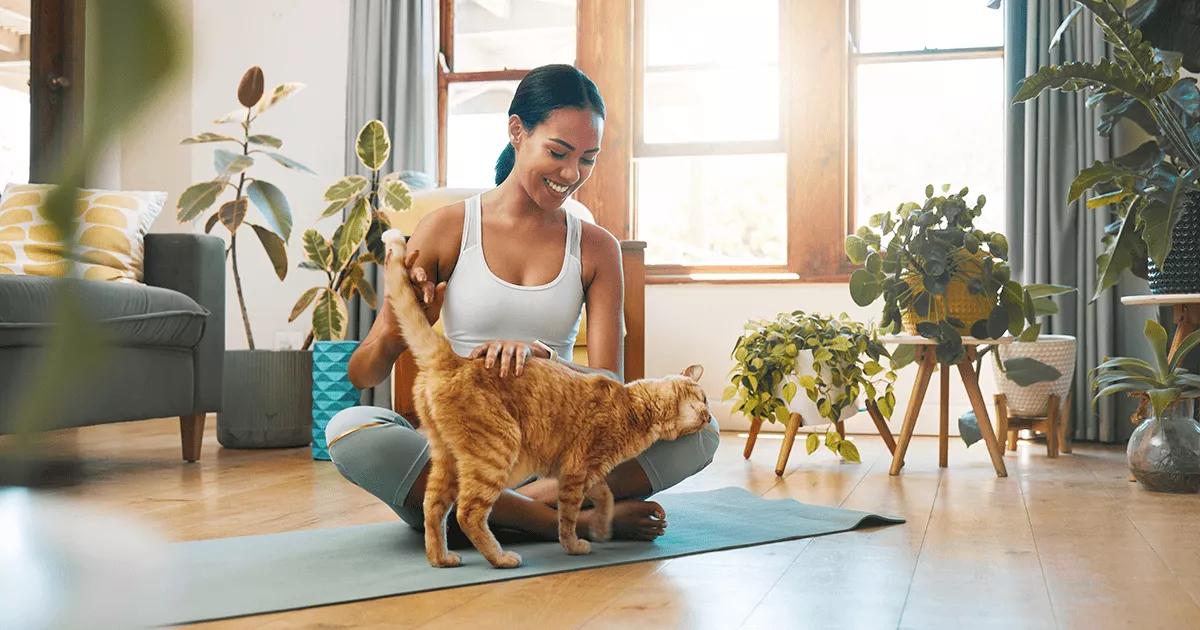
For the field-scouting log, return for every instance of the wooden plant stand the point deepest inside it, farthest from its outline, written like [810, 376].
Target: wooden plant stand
[926, 359]
[795, 421]
[1055, 423]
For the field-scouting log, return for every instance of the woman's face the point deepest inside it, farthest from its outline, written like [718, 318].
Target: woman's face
[557, 156]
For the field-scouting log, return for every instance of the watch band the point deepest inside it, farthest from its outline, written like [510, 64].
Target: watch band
[553, 354]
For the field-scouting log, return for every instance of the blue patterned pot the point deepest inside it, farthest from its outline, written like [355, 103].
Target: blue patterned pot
[331, 388]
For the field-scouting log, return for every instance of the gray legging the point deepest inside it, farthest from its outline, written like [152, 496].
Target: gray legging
[379, 451]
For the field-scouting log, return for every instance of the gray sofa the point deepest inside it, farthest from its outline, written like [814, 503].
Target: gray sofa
[167, 340]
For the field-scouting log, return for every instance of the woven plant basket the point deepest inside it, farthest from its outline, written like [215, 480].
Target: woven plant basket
[958, 302]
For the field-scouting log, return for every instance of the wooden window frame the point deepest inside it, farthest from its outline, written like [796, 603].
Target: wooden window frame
[55, 83]
[812, 137]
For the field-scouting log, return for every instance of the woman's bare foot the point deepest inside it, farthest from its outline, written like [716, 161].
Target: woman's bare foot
[632, 520]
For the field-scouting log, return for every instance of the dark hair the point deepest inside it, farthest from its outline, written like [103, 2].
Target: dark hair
[542, 91]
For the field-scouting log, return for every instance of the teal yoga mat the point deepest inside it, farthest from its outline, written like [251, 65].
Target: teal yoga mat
[247, 575]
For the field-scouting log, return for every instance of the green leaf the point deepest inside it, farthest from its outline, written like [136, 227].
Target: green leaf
[232, 213]
[812, 443]
[208, 136]
[1157, 336]
[212, 221]
[329, 316]
[306, 298]
[832, 439]
[849, 451]
[903, 355]
[789, 391]
[346, 188]
[1116, 259]
[230, 163]
[277, 95]
[1062, 28]
[198, 198]
[856, 249]
[237, 115]
[729, 392]
[864, 288]
[1030, 334]
[395, 196]
[276, 250]
[318, 250]
[1160, 399]
[1025, 371]
[871, 368]
[265, 140]
[373, 146]
[1074, 76]
[1185, 347]
[352, 233]
[273, 206]
[1114, 197]
[1097, 173]
[289, 162]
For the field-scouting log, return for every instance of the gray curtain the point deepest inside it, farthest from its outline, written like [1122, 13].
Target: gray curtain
[392, 77]
[1048, 141]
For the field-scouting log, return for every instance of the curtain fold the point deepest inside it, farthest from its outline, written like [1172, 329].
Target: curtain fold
[391, 76]
[1048, 141]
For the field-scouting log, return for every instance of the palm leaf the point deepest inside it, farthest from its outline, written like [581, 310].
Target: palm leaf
[1075, 76]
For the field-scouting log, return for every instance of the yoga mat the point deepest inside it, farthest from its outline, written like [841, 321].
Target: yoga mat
[231, 577]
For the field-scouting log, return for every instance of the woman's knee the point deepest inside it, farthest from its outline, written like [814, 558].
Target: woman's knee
[710, 440]
[667, 463]
[353, 418]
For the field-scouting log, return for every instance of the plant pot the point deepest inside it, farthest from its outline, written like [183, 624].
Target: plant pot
[1164, 452]
[266, 399]
[1057, 351]
[801, 404]
[331, 388]
[1181, 269]
[958, 303]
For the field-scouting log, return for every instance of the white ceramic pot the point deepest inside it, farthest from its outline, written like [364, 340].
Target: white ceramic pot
[1057, 351]
[802, 405]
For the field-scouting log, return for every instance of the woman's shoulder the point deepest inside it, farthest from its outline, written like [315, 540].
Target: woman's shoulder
[597, 241]
[442, 226]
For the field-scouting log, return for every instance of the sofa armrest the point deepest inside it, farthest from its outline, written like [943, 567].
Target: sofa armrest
[194, 264]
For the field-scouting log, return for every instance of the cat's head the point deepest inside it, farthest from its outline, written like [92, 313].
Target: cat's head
[687, 399]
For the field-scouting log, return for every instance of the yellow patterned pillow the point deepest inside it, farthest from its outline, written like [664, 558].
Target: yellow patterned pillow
[112, 227]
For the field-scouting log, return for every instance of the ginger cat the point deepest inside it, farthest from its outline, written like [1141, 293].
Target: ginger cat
[487, 433]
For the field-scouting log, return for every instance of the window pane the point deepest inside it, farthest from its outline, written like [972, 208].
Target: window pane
[697, 32]
[713, 210]
[476, 130]
[952, 134]
[516, 34]
[888, 25]
[14, 101]
[683, 106]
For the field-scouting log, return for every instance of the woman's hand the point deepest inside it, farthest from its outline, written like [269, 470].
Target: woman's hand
[509, 353]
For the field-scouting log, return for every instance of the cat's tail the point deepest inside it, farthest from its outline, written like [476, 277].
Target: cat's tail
[428, 347]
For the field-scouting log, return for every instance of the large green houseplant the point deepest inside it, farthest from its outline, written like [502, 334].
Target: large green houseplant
[1154, 187]
[940, 277]
[835, 360]
[265, 394]
[357, 239]
[1164, 451]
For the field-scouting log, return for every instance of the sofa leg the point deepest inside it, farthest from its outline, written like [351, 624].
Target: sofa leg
[191, 431]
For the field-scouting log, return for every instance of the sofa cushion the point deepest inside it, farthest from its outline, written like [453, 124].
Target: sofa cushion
[134, 314]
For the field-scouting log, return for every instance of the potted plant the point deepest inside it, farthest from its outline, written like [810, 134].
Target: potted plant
[1164, 450]
[835, 360]
[940, 277]
[356, 242]
[265, 393]
[1154, 190]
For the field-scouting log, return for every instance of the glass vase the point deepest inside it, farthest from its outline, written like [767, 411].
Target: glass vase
[1164, 451]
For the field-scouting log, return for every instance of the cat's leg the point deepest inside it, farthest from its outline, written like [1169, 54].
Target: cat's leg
[602, 510]
[481, 480]
[440, 490]
[571, 486]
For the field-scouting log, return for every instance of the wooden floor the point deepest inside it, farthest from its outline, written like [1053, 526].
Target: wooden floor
[1067, 542]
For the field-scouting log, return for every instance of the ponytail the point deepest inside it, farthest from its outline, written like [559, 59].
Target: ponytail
[504, 165]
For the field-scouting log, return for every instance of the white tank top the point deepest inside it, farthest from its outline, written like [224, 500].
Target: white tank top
[480, 306]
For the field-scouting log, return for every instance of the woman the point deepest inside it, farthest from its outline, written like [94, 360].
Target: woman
[521, 300]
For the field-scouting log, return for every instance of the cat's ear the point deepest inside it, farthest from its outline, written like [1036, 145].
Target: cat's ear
[693, 372]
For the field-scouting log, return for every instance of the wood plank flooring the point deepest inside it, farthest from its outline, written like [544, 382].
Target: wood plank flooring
[1061, 543]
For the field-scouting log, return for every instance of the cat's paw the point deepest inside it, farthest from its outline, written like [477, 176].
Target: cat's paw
[507, 560]
[577, 547]
[447, 560]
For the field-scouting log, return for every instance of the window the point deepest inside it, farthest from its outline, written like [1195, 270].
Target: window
[487, 46]
[928, 100]
[710, 161]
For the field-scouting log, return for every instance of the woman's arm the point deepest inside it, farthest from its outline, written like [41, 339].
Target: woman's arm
[604, 297]
[373, 359]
